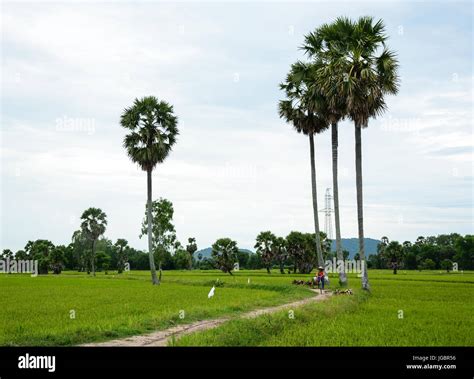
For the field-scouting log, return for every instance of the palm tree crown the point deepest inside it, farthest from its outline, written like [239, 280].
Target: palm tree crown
[356, 66]
[94, 222]
[304, 105]
[153, 129]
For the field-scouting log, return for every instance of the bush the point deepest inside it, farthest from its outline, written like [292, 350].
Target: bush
[428, 264]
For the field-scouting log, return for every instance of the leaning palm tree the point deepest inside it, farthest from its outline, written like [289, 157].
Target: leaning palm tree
[94, 223]
[361, 70]
[334, 110]
[153, 131]
[300, 110]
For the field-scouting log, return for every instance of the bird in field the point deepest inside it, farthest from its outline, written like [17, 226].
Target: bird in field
[211, 292]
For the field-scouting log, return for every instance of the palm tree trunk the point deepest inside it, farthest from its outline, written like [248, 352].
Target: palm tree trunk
[360, 208]
[340, 257]
[154, 278]
[315, 201]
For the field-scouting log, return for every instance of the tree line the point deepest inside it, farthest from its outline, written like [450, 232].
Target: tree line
[291, 254]
[445, 251]
[89, 251]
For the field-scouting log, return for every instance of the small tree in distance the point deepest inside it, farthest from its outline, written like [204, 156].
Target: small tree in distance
[281, 253]
[121, 246]
[163, 231]
[224, 253]
[265, 247]
[94, 223]
[191, 248]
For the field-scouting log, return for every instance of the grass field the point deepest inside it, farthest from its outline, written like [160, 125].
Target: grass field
[409, 309]
[437, 309]
[37, 311]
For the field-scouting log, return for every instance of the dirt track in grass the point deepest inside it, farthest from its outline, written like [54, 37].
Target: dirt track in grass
[163, 337]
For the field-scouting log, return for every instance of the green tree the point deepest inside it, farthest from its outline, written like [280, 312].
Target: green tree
[69, 259]
[57, 258]
[163, 232]
[447, 265]
[182, 259]
[207, 264]
[465, 252]
[243, 258]
[191, 248]
[281, 253]
[7, 254]
[121, 249]
[21, 255]
[393, 254]
[94, 223]
[360, 69]
[299, 110]
[254, 262]
[297, 245]
[199, 256]
[103, 261]
[224, 254]
[79, 248]
[153, 131]
[325, 245]
[428, 264]
[40, 250]
[420, 240]
[265, 246]
[410, 262]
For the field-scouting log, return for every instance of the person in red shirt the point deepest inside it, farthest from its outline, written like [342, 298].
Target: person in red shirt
[320, 278]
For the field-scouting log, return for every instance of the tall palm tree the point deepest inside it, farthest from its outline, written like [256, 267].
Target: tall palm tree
[334, 111]
[153, 131]
[299, 109]
[94, 223]
[361, 70]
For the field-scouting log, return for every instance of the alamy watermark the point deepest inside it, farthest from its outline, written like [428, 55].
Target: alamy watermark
[348, 266]
[403, 125]
[13, 266]
[75, 124]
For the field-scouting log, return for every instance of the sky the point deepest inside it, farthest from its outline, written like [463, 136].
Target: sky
[70, 68]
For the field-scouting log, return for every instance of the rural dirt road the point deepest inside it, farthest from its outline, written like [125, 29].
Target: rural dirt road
[162, 337]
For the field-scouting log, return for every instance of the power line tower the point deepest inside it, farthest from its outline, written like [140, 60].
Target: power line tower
[328, 211]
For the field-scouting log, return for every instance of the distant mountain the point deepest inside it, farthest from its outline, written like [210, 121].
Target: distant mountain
[349, 244]
[206, 253]
[352, 246]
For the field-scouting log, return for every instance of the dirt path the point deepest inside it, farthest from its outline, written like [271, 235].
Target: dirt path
[161, 338]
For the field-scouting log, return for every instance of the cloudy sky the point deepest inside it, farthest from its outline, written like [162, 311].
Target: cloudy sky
[69, 69]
